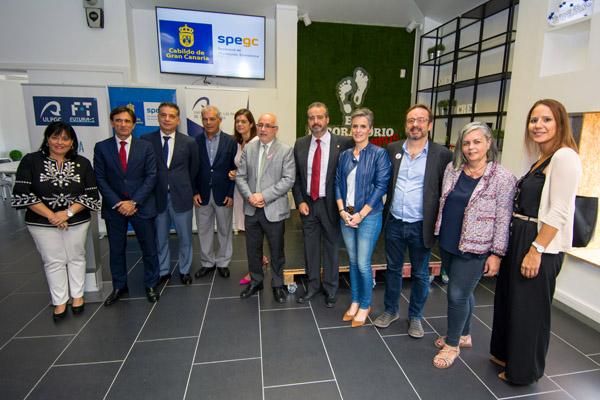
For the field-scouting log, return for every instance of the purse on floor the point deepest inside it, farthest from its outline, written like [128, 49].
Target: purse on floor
[584, 223]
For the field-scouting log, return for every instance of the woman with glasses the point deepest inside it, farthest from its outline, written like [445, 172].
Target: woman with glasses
[472, 224]
[541, 231]
[361, 181]
[58, 188]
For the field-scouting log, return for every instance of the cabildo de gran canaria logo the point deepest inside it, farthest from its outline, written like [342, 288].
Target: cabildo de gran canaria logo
[351, 91]
[186, 42]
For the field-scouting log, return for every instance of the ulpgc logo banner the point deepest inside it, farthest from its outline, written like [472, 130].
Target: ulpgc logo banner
[227, 101]
[144, 102]
[76, 111]
[83, 107]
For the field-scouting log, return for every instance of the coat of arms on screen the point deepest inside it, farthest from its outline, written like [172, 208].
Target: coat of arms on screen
[186, 36]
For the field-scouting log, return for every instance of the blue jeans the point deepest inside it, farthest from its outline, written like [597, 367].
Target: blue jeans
[183, 226]
[399, 236]
[360, 243]
[464, 273]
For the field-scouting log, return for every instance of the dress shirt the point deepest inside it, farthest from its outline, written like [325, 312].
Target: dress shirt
[171, 145]
[127, 146]
[212, 145]
[260, 153]
[408, 195]
[325, 143]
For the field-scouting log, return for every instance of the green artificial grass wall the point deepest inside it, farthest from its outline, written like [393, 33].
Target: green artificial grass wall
[329, 52]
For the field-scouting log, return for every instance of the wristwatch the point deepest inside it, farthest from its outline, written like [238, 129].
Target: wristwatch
[538, 247]
[70, 212]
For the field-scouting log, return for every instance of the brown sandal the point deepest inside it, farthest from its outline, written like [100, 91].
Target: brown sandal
[446, 357]
[465, 342]
[498, 362]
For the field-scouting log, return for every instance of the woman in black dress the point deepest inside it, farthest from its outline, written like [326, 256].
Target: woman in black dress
[58, 188]
[541, 231]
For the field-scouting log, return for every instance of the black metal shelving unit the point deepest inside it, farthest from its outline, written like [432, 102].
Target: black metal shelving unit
[450, 60]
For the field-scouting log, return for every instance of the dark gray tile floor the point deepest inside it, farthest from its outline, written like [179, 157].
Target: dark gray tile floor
[204, 342]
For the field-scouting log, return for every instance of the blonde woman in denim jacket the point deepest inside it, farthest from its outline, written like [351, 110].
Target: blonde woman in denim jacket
[473, 225]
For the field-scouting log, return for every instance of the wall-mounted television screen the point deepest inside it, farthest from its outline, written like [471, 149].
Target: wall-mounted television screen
[209, 43]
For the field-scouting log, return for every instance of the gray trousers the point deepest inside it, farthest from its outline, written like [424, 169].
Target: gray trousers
[205, 222]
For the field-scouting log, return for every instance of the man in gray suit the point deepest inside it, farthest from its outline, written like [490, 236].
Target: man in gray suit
[316, 156]
[410, 212]
[264, 177]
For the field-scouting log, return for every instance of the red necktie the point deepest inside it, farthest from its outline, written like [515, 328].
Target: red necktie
[123, 155]
[316, 172]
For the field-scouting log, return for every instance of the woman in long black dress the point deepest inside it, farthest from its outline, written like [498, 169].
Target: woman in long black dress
[541, 231]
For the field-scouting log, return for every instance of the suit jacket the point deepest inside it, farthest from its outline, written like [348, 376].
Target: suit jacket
[136, 184]
[277, 179]
[337, 145]
[438, 157]
[180, 177]
[214, 177]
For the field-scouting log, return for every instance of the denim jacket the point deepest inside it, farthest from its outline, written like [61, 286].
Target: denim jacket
[372, 176]
[488, 213]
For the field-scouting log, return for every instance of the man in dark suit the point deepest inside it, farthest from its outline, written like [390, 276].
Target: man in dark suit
[214, 194]
[126, 175]
[266, 174]
[316, 157]
[177, 166]
[410, 212]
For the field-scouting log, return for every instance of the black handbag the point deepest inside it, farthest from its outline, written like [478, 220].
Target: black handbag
[584, 223]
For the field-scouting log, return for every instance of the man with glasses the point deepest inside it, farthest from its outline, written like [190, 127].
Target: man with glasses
[126, 176]
[409, 216]
[316, 156]
[265, 175]
[214, 194]
[177, 165]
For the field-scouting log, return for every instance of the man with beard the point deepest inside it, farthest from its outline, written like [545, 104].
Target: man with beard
[316, 156]
[409, 216]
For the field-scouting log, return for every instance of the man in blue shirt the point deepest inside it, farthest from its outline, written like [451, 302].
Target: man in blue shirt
[411, 210]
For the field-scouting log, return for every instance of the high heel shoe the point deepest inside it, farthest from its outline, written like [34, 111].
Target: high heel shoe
[78, 309]
[347, 316]
[59, 316]
[356, 323]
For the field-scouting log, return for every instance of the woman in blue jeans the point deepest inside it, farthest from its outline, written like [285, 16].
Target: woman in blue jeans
[361, 182]
[472, 224]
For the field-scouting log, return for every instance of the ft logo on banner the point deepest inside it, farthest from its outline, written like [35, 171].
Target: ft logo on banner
[76, 111]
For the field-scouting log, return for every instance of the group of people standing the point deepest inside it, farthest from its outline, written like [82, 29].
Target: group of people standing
[345, 188]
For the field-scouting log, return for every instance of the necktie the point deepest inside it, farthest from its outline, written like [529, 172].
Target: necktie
[316, 172]
[123, 155]
[166, 150]
[261, 167]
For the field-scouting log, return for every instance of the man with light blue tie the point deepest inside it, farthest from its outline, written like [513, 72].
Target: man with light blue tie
[409, 215]
[177, 167]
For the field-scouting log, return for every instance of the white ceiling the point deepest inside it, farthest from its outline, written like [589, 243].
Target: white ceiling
[367, 12]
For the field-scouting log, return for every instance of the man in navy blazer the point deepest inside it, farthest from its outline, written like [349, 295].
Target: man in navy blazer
[177, 165]
[126, 175]
[214, 197]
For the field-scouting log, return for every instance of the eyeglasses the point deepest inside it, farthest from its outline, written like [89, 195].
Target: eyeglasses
[266, 126]
[420, 120]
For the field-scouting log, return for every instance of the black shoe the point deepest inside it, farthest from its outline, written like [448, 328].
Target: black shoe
[58, 317]
[115, 295]
[330, 301]
[152, 295]
[279, 294]
[78, 309]
[164, 278]
[251, 290]
[224, 272]
[203, 271]
[308, 296]
[186, 279]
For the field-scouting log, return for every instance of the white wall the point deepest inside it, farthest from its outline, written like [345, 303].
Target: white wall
[13, 129]
[578, 90]
[51, 41]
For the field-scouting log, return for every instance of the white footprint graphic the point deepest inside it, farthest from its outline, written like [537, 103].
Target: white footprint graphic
[361, 79]
[344, 88]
